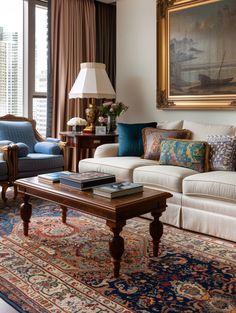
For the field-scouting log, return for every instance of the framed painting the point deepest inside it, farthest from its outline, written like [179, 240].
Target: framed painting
[196, 54]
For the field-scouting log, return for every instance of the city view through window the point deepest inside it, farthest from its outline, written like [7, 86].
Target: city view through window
[11, 57]
[12, 62]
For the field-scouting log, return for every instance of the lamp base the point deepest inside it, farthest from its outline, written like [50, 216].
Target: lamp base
[91, 113]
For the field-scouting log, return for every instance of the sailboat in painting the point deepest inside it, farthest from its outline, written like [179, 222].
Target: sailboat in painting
[207, 81]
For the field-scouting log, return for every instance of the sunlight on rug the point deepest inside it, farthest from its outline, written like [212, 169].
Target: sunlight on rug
[67, 267]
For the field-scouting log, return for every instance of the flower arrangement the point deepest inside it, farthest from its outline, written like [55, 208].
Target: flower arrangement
[111, 108]
[77, 121]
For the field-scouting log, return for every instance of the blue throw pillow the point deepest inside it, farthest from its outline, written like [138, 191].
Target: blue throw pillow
[23, 149]
[47, 147]
[130, 138]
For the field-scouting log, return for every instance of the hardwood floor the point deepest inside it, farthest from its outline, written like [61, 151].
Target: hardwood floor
[6, 308]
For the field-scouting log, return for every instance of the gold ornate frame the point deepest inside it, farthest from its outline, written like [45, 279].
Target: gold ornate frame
[184, 102]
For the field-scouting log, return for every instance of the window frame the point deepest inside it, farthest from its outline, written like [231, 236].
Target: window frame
[29, 56]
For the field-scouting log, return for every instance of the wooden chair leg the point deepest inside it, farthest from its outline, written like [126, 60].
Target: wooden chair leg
[15, 191]
[4, 190]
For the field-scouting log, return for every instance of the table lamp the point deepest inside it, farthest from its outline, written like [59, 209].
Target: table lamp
[93, 83]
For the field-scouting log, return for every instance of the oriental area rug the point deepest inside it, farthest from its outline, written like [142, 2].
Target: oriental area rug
[43, 273]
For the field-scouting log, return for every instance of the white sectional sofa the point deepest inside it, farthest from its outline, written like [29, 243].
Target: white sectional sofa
[201, 202]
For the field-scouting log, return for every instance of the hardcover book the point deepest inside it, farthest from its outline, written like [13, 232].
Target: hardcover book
[87, 180]
[114, 190]
[52, 177]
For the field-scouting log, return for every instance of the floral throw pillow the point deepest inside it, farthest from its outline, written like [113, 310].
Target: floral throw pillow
[185, 153]
[222, 152]
[152, 139]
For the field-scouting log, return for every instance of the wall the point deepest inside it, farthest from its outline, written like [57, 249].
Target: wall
[136, 68]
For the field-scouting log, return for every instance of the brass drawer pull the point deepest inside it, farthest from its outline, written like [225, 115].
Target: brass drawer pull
[97, 141]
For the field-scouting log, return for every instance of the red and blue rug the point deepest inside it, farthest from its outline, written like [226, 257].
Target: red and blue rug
[43, 273]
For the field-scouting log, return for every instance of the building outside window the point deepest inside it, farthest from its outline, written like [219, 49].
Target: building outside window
[23, 59]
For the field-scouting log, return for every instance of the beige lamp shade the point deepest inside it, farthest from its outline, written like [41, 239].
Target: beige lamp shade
[92, 82]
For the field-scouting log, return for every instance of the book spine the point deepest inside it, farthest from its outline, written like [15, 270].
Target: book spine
[86, 185]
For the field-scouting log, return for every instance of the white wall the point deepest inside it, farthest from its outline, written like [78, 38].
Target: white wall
[136, 68]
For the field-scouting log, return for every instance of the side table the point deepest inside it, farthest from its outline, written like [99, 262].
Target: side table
[85, 143]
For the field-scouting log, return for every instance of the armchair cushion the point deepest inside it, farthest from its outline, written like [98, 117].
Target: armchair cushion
[47, 147]
[39, 163]
[23, 149]
[18, 132]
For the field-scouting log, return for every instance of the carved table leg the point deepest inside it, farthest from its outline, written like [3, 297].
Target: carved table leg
[25, 213]
[156, 231]
[64, 211]
[116, 245]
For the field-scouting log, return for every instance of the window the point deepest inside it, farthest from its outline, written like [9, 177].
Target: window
[23, 59]
[11, 57]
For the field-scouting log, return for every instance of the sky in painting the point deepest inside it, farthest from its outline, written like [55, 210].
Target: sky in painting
[206, 31]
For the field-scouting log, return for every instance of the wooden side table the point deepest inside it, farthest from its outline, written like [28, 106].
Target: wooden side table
[85, 144]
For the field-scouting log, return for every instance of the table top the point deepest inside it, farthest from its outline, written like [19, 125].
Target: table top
[85, 201]
[78, 134]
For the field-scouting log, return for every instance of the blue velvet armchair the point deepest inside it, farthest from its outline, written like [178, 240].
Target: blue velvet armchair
[6, 166]
[31, 153]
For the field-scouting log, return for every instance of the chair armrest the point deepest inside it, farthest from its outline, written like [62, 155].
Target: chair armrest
[107, 150]
[50, 139]
[46, 147]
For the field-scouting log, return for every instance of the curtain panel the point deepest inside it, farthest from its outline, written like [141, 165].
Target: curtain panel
[73, 41]
[106, 38]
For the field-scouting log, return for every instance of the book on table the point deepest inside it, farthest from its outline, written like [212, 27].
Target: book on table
[114, 190]
[52, 177]
[86, 180]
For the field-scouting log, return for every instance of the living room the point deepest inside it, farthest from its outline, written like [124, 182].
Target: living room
[195, 269]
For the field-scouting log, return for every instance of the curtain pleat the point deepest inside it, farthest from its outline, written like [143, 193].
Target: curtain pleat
[73, 42]
[106, 38]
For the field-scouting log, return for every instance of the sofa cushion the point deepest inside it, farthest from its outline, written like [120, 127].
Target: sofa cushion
[39, 162]
[222, 152]
[130, 138]
[185, 153]
[121, 167]
[201, 131]
[216, 184]
[18, 132]
[152, 139]
[162, 176]
[3, 170]
[170, 124]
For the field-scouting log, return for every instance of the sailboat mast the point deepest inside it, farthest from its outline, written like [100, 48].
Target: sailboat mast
[218, 77]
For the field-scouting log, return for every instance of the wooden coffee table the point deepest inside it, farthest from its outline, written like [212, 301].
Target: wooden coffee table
[115, 211]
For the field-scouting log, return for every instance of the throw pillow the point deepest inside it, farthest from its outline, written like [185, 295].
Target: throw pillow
[152, 138]
[23, 149]
[185, 153]
[130, 138]
[222, 152]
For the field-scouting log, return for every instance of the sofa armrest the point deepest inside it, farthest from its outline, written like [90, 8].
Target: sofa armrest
[107, 150]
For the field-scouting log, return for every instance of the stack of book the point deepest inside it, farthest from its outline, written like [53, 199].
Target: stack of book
[51, 178]
[114, 190]
[86, 180]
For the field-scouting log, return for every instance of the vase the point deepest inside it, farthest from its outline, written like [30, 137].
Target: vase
[77, 129]
[111, 124]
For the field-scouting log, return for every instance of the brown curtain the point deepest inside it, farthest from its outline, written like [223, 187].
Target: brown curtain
[106, 38]
[73, 33]
[73, 42]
